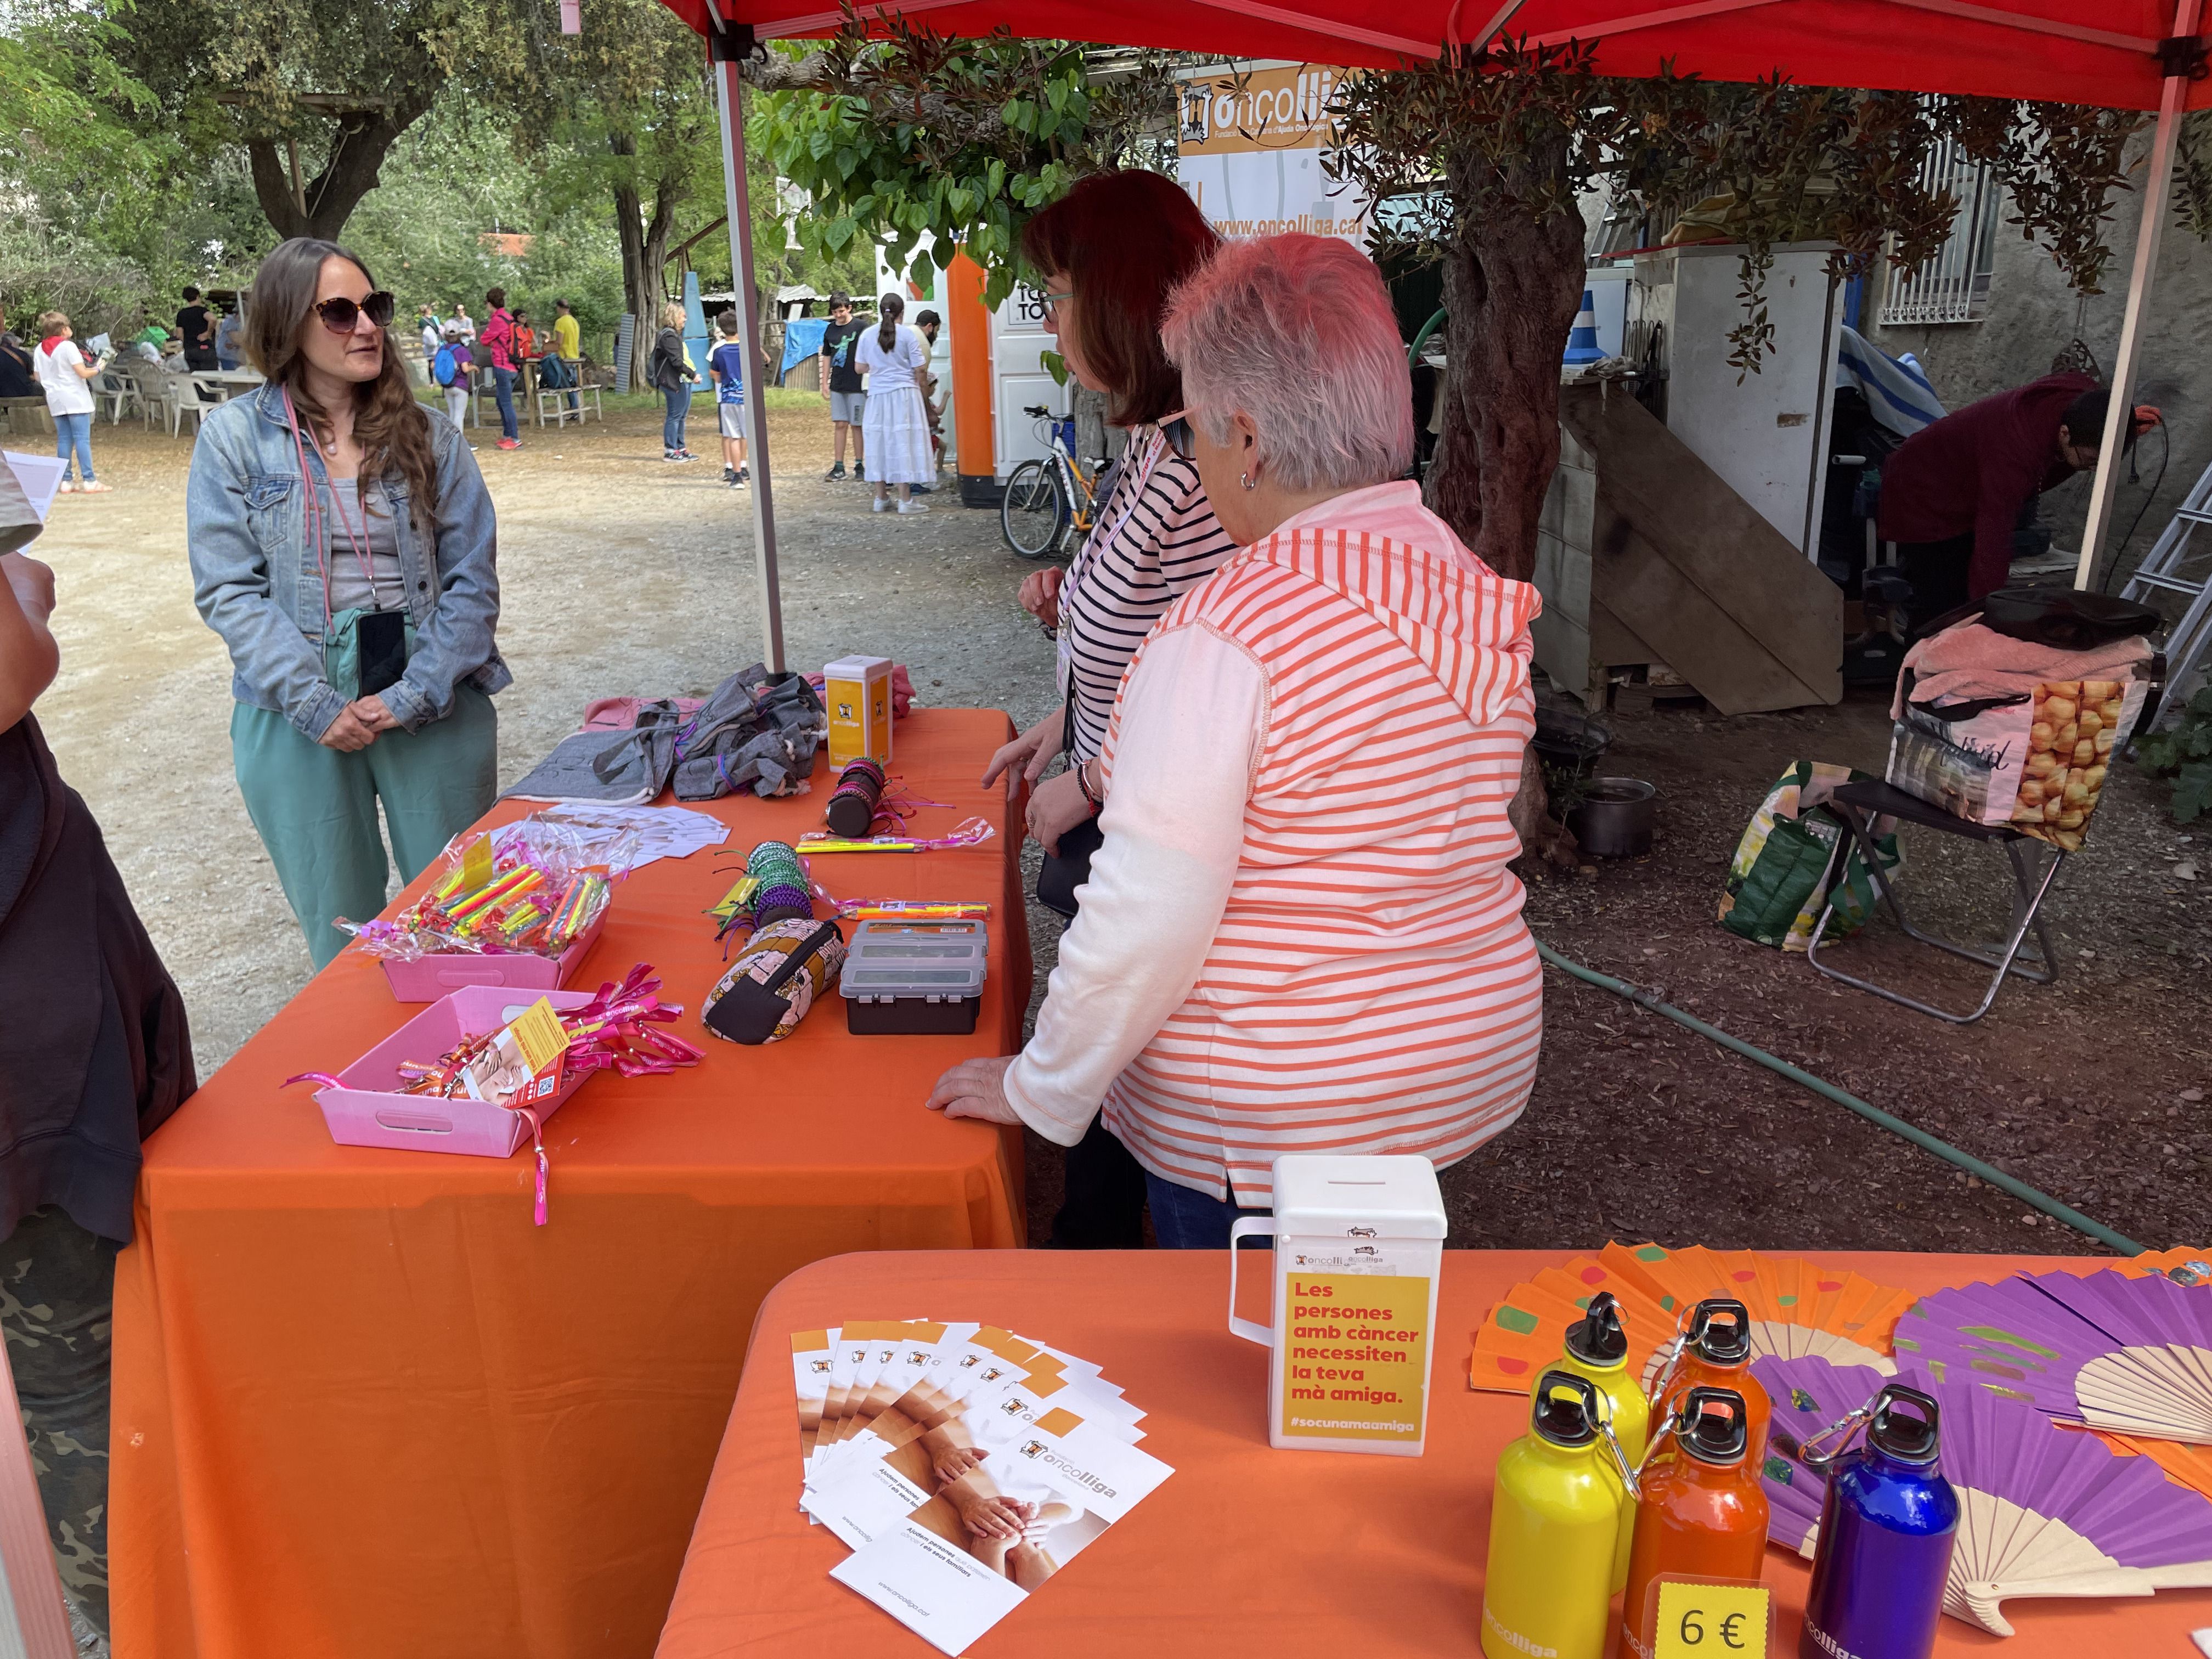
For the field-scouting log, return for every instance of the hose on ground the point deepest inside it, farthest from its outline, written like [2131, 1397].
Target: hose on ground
[1873, 1115]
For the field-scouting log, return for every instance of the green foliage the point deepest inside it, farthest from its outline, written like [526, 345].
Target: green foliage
[918, 136]
[2184, 754]
[1524, 130]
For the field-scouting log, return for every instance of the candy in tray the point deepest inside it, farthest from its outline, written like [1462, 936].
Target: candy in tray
[518, 907]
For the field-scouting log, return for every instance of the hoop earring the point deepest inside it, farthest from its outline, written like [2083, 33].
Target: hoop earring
[1245, 478]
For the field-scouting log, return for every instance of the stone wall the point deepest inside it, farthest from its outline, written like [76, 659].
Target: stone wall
[2032, 315]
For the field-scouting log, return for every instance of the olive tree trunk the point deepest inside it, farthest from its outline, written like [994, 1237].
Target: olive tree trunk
[1512, 285]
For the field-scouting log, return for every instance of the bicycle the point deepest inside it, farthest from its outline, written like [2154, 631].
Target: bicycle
[1047, 498]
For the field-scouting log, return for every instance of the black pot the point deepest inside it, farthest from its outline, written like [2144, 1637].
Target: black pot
[1569, 743]
[1613, 818]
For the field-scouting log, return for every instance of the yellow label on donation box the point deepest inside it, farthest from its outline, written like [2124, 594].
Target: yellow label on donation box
[857, 692]
[1712, 1621]
[1355, 1357]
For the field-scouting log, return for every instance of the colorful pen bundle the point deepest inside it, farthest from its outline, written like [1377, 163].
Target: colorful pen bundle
[532, 887]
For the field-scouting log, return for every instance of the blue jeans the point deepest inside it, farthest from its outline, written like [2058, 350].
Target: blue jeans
[672, 424]
[1184, 1218]
[74, 429]
[503, 388]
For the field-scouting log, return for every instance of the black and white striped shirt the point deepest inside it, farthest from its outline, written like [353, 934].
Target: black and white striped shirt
[1155, 539]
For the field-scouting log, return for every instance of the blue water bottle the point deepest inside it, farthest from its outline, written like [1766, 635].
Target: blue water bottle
[1887, 1528]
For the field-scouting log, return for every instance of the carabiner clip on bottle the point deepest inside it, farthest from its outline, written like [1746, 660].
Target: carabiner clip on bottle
[1821, 1462]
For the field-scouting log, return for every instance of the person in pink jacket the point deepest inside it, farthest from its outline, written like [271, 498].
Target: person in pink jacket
[1299, 933]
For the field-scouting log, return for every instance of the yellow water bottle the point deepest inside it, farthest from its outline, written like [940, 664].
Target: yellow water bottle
[1555, 1521]
[1597, 1348]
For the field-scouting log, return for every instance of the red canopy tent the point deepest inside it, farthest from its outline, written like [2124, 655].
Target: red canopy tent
[2122, 54]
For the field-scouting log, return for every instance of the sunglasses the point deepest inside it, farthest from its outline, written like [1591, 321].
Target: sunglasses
[1176, 429]
[343, 316]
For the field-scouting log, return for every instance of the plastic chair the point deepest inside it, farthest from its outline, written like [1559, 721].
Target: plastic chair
[1856, 804]
[116, 389]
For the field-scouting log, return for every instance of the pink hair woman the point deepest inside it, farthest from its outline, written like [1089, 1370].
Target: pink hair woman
[1300, 932]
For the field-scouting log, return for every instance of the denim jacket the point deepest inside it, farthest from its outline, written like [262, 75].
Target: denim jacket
[259, 585]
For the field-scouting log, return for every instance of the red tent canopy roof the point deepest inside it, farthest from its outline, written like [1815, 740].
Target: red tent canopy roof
[2079, 51]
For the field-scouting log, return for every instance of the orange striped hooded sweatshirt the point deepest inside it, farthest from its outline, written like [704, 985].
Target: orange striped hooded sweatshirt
[1300, 934]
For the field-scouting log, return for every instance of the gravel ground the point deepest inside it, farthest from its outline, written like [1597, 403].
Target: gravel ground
[624, 575]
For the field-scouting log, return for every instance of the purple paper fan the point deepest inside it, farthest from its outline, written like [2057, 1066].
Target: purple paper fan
[1991, 1444]
[1808, 1395]
[2029, 1338]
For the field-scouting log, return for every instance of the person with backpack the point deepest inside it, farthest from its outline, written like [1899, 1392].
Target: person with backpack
[727, 364]
[669, 372]
[452, 369]
[498, 341]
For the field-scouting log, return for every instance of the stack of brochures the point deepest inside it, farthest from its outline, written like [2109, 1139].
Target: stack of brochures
[963, 1465]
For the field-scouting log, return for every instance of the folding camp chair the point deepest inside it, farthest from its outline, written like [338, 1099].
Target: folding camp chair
[1858, 805]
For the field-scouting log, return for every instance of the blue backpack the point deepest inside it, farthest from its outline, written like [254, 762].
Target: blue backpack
[445, 368]
[553, 372]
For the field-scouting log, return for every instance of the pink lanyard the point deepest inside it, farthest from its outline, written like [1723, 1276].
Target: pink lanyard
[318, 535]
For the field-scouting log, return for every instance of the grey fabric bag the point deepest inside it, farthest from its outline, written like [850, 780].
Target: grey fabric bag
[614, 768]
[757, 731]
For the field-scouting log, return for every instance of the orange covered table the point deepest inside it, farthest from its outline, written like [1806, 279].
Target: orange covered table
[364, 1407]
[1245, 1552]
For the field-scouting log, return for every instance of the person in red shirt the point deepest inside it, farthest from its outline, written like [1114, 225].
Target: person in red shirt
[1953, 491]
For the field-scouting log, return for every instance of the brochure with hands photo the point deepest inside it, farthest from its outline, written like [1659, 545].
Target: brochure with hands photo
[962, 1464]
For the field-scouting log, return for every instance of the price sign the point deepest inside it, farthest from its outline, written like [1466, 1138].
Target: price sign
[1712, 1621]
[476, 866]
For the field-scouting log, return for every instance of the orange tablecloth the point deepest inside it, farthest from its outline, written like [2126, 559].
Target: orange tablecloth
[1245, 1552]
[363, 1407]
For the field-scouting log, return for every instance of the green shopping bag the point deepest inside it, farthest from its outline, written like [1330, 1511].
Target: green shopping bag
[1795, 856]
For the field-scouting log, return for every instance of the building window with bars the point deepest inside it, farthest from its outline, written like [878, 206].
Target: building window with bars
[1953, 284]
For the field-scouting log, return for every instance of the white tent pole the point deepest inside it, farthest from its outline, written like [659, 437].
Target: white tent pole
[2157, 182]
[725, 47]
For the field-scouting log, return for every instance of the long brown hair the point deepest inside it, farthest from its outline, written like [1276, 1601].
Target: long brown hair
[1125, 239]
[393, 430]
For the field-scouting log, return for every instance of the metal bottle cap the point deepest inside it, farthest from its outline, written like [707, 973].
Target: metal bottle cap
[1713, 1426]
[1566, 1412]
[1908, 1439]
[1597, 1339]
[1720, 1330]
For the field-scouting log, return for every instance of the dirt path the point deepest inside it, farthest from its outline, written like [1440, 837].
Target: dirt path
[623, 575]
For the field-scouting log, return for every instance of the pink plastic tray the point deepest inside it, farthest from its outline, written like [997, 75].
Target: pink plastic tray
[367, 1113]
[427, 978]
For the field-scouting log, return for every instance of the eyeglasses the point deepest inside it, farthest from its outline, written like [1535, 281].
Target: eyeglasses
[1050, 304]
[1176, 429]
[343, 316]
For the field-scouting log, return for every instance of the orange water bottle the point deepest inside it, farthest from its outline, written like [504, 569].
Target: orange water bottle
[1703, 1513]
[1717, 1354]
[1554, 1514]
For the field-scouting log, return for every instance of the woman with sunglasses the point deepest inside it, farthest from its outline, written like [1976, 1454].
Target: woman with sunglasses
[1110, 251]
[344, 547]
[1301, 933]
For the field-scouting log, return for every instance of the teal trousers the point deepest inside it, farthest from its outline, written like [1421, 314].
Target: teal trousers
[315, 807]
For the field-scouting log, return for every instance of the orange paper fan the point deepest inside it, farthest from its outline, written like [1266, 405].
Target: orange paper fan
[2194, 1260]
[1797, 1308]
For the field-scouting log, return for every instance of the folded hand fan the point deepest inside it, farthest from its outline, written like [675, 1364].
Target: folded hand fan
[1797, 1307]
[2043, 1512]
[2132, 1356]
[2189, 1265]
[1528, 1329]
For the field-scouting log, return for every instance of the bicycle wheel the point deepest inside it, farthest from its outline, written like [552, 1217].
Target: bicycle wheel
[1034, 512]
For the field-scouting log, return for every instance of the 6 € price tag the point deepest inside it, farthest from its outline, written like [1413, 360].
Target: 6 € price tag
[1712, 1621]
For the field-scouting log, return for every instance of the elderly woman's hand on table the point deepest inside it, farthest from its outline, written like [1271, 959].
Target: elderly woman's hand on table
[1056, 806]
[976, 1088]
